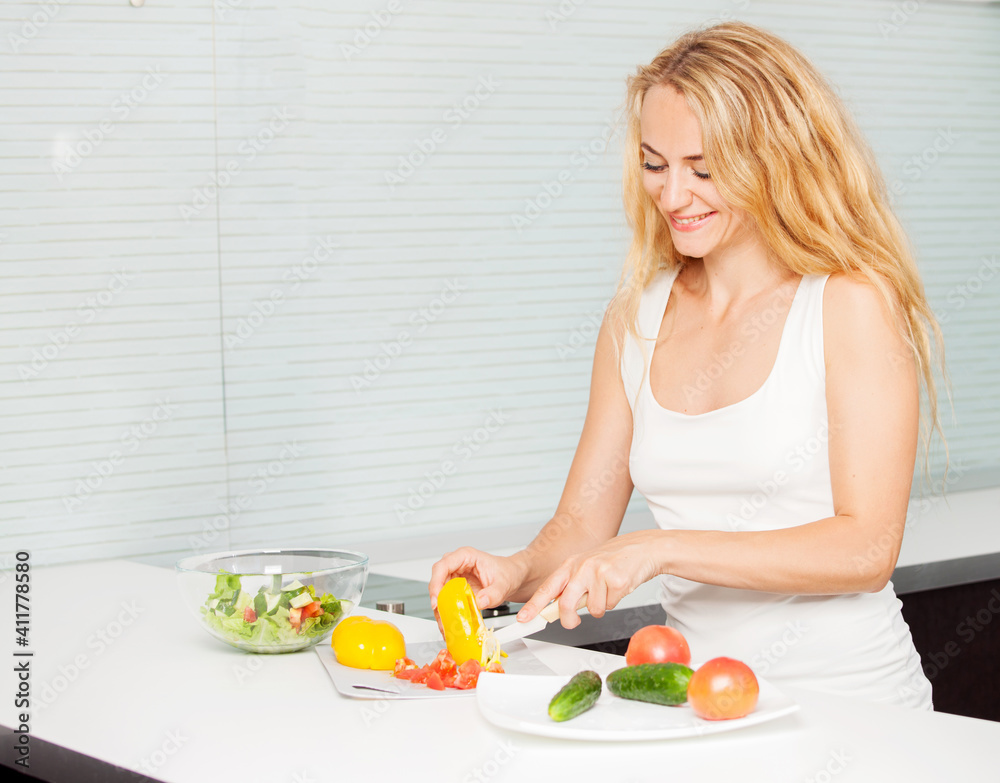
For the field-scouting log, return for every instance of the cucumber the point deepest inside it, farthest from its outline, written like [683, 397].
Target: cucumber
[576, 696]
[659, 683]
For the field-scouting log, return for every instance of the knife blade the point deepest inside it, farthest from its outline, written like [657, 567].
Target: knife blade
[380, 690]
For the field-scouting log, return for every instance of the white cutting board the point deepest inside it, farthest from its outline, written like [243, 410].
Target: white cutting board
[519, 660]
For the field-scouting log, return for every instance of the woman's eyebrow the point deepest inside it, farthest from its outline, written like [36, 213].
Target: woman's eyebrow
[646, 147]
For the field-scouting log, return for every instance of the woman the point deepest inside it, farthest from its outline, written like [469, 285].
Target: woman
[756, 377]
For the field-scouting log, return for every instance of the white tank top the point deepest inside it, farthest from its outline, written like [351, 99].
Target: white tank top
[763, 464]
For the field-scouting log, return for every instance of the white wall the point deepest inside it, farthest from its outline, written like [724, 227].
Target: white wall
[468, 287]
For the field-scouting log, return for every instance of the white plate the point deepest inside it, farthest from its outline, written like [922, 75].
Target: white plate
[368, 684]
[521, 704]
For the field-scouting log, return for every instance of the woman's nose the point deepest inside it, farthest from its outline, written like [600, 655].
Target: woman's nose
[674, 196]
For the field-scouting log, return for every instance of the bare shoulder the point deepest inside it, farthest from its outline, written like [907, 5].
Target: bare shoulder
[858, 325]
[848, 299]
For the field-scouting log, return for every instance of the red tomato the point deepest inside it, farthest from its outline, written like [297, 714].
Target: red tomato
[403, 665]
[420, 675]
[723, 688]
[657, 644]
[468, 675]
[249, 615]
[444, 664]
[443, 673]
[315, 609]
[295, 618]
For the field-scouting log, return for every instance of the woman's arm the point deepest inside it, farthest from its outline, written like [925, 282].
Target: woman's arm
[599, 485]
[873, 407]
[590, 510]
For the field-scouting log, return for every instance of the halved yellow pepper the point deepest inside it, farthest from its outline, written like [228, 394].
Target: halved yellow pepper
[462, 621]
[363, 643]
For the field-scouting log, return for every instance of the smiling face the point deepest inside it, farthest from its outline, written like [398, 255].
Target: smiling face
[676, 178]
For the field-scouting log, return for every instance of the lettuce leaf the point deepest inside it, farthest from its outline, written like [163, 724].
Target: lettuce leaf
[226, 586]
[224, 607]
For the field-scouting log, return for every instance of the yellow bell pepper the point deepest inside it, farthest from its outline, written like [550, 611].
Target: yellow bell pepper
[462, 620]
[363, 643]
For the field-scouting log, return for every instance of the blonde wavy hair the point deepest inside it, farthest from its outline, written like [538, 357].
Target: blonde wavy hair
[782, 147]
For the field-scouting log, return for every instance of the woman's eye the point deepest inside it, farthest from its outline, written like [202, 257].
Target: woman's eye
[657, 169]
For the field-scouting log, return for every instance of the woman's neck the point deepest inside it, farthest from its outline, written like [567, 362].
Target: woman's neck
[731, 279]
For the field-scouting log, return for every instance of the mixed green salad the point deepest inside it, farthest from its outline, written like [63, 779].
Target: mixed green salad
[284, 615]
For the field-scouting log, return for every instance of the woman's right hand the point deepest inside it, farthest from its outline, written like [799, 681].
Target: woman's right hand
[492, 578]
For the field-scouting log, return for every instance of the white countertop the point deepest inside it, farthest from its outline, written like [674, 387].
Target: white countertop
[951, 527]
[158, 689]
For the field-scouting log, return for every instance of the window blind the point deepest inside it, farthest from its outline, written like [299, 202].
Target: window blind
[331, 273]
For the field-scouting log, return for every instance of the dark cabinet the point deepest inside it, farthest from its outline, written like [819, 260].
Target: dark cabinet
[956, 630]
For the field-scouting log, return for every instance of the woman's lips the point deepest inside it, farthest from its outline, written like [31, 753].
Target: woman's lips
[691, 225]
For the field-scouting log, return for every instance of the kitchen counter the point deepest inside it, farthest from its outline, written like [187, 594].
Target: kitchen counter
[122, 673]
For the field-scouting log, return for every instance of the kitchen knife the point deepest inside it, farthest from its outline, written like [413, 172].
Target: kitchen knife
[548, 615]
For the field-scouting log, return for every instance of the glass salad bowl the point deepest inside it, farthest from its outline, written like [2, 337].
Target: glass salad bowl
[272, 600]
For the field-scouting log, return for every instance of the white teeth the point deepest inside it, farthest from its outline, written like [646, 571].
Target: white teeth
[685, 221]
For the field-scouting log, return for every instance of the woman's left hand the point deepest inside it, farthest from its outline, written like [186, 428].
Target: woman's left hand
[606, 574]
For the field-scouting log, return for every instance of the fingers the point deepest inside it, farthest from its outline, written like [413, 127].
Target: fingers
[546, 591]
[440, 624]
[568, 596]
[487, 578]
[491, 595]
[457, 563]
[597, 599]
[568, 602]
[575, 580]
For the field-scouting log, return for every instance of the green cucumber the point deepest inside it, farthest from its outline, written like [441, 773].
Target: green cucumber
[576, 696]
[659, 683]
[260, 604]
